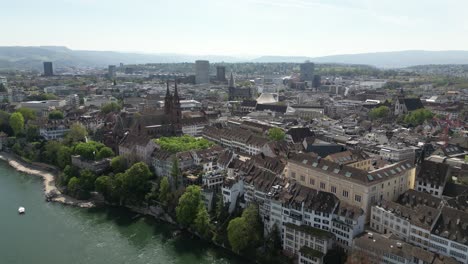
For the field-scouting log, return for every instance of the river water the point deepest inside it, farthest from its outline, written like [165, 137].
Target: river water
[51, 233]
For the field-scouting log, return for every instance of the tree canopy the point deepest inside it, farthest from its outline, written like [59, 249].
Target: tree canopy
[28, 114]
[77, 133]
[164, 190]
[202, 222]
[189, 202]
[118, 164]
[104, 152]
[245, 231]
[55, 115]
[183, 143]
[17, 123]
[110, 107]
[276, 134]
[379, 112]
[418, 117]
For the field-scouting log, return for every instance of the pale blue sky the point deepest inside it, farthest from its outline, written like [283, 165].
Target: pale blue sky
[238, 27]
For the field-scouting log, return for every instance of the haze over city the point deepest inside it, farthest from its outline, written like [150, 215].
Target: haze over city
[234, 132]
[239, 28]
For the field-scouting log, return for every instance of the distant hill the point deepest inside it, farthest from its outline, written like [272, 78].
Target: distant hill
[395, 59]
[399, 59]
[29, 58]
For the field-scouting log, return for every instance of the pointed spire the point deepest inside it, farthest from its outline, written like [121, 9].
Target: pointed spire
[231, 81]
[175, 90]
[168, 92]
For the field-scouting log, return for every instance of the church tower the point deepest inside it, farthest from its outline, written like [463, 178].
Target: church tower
[176, 113]
[231, 82]
[168, 101]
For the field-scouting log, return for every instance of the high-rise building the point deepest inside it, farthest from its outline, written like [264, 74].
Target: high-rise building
[111, 71]
[307, 72]
[48, 69]
[220, 73]
[202, 70]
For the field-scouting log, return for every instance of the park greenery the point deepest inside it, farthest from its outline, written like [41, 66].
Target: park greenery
[183, 143]
[379, 112]
[56, 115]
[417, 117]
[110, 107]
[276, 134]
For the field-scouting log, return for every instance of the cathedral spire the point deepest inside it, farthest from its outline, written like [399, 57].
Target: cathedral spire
[231, 81]
[168, 92]
[176, 94]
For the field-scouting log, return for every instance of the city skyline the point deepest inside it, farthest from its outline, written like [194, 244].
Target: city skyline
[246, 28]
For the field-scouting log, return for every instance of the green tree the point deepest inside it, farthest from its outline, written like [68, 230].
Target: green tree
[104, 152]
[136, 182]
[110, 107]
[276, 134]
[187, 209]
[417, 117]
[379, 112]
[87, 178]
[103, 184]
[17, 123]
[28, 114]
[64, 156]
[86, 151]
[55, 115]
[51, 149]
[32, 133]
[77, 133]
[238, 234]
[118, 164]
[74, 186]
[164, 190]
[245, 231]
[175, 172]
[202, 222]
[5, 123]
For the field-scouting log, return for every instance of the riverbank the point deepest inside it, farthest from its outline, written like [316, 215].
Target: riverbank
[50, 190]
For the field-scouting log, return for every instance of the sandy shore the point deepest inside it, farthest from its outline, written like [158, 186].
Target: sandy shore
[49, 181]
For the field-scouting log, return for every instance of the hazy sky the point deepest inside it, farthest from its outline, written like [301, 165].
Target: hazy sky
[237, 27]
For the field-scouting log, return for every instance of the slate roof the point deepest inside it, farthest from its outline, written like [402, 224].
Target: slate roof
[412, 103]
[350, 173]
[452, 224]
[298, 134]
[272, 107]
[433, 173]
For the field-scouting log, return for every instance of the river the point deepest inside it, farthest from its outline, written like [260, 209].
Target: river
[52, 233]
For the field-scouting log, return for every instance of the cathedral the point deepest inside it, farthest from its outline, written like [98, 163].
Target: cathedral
[161, 123]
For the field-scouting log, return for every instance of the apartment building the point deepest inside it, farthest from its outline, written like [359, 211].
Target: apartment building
[432, 177]
[353, 186]
[376, 248]
[397, 153]
[427, 222]
[309, 243]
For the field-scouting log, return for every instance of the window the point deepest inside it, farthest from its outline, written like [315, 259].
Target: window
[345, 193]
[357, 198]
[333, 189]
[322, 185]
[302, 178]
[312, 181]
[293, 175]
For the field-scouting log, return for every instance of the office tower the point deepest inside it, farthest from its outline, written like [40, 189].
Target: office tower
[48, 69]
[220, 73]
[111, 71]
[307, 72]
[202, 69]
